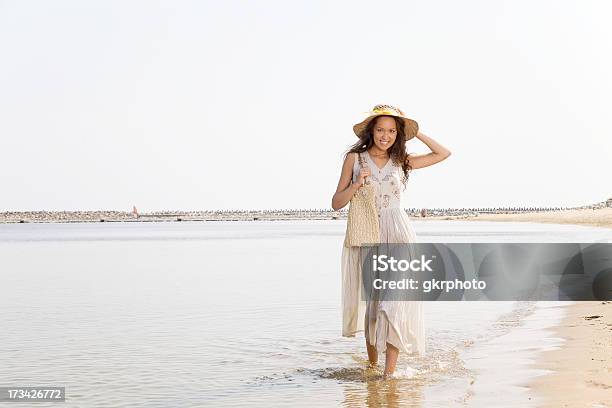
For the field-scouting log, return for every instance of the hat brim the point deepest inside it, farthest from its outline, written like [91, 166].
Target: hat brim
[411, 127]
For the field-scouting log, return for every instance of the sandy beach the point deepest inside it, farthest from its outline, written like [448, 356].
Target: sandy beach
[581, 369]
[601, 217]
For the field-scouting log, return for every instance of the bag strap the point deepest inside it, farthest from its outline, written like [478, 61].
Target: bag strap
[360, 159]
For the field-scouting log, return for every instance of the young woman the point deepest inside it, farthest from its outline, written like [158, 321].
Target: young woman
[389, 326]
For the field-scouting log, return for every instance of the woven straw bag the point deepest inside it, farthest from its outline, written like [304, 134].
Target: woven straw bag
[362, 223]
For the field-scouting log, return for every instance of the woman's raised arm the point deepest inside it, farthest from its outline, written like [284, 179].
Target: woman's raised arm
[438, 153]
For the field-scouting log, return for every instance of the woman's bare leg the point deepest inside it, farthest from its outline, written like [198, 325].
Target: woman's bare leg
[372, 353]
[392, 353]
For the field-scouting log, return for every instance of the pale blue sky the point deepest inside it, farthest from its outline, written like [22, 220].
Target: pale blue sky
[210, 105]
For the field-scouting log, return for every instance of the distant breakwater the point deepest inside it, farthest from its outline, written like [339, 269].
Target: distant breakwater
[254, 215]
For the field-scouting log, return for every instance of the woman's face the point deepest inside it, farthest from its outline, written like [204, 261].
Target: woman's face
[384, 132]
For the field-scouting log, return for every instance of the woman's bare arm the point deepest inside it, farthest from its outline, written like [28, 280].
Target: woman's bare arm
[438, 153]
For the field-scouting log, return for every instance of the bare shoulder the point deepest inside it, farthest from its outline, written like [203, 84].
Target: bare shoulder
[350, 159]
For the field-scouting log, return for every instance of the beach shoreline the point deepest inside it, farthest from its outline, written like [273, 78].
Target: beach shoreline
[578, 373]
[600, 217]
[580, 369]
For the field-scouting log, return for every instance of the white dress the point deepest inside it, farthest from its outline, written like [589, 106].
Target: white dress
[399, 323]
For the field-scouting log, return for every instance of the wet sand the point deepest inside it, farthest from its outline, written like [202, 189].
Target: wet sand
[581, 368]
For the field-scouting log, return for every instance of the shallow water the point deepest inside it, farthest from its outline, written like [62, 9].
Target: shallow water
[242, 314]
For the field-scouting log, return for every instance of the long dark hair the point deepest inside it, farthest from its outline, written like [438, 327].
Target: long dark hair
[397, 151]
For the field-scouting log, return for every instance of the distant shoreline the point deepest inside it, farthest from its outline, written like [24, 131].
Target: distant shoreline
[601, 217]
[597, 216]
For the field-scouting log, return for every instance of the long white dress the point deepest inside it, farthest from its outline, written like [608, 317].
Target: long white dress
[399, 323]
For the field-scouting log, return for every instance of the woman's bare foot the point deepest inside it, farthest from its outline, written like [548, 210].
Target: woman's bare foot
[372, 354]
[391, 353]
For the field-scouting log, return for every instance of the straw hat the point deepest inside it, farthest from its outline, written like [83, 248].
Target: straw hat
[410, 126]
